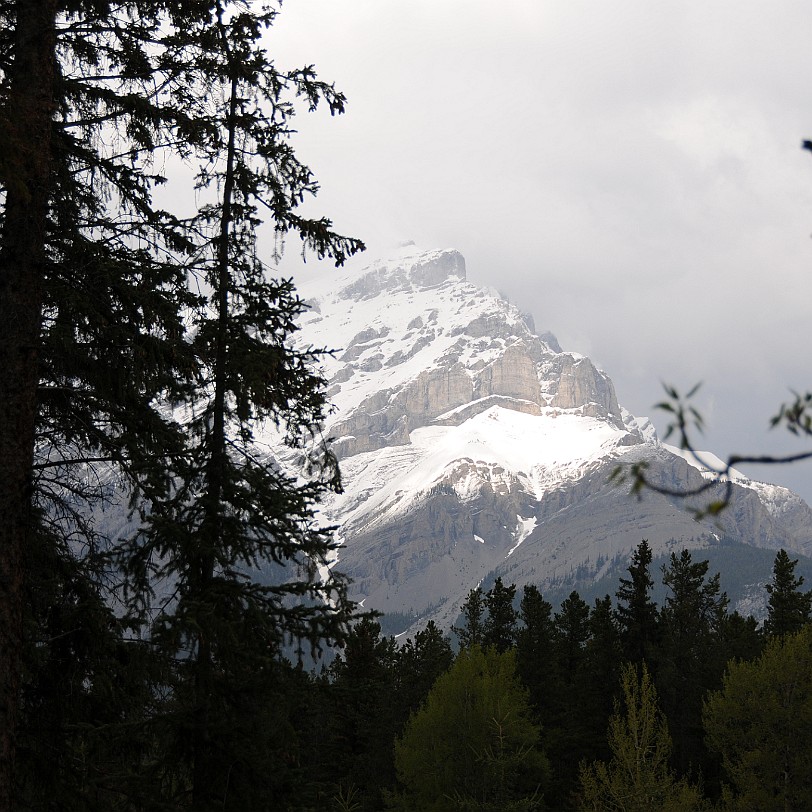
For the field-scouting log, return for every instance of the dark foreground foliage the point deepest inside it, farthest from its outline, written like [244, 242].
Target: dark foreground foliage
[552, 721]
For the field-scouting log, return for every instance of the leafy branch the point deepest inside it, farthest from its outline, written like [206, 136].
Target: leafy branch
[686, 422]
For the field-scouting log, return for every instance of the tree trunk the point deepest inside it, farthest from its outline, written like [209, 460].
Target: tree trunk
[203, 769]
[25, 164]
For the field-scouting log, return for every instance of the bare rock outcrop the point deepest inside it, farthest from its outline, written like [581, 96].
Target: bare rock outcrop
[387, 418]
[582, 386]
[435, 391]
[512, 374]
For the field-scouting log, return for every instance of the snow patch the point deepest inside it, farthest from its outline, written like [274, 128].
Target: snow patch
[524, 528]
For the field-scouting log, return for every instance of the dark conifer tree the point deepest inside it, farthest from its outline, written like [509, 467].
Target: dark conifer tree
[96, 311]
[570, 725]
[29, 69]
[86, 311]
[87, 693]
[601, 669]
[788, 608]
[741, 637]
[363, 715]
[536, 655]
[691, 655]
[420, 662]
[500, 623]
[636, 612]
[572, 632]
[243, 512]
[472, 631]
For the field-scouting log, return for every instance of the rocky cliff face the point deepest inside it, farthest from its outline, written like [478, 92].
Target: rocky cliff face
[473, 447]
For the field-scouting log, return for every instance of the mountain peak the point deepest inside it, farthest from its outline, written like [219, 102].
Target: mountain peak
[472, 445]
[418, 345]
[408, 268]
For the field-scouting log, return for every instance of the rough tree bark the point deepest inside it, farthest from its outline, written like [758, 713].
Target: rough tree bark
[25, 169]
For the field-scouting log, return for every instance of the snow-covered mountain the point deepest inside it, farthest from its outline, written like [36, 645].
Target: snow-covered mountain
[471, 446]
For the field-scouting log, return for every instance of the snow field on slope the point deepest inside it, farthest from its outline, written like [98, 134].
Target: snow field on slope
[539, 450]
[524, 528]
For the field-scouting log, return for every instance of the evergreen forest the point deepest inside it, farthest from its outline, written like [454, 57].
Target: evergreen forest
[624, 704]
[203, 657]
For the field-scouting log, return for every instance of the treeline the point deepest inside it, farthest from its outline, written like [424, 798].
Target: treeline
[681, 706]
[621, 705]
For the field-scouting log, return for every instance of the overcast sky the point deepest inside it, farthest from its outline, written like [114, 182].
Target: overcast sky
[629, 172]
